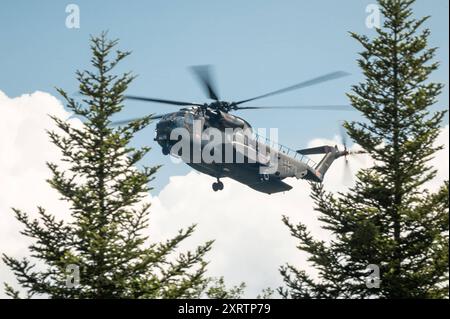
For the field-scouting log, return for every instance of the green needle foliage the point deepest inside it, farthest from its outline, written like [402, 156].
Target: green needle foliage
[104, 237]
[218, 290]
[388, 218]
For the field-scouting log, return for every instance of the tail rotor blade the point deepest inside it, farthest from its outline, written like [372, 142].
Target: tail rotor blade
[358, 152]
[347, 173]
[343, 136]
[360, 159]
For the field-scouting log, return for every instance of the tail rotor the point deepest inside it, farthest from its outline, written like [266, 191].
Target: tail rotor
[346, 153]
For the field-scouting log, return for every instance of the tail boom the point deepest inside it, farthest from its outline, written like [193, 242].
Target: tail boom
[317, 173]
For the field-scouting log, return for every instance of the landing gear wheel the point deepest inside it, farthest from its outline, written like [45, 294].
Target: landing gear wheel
[217, 186]
[166, 150]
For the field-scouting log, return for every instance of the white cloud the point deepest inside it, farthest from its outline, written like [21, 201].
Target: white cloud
[24, 149]
[441, 160]
[251, 241]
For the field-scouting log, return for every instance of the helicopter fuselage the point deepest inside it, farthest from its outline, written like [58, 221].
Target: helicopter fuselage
[255, 162]
[241, 155]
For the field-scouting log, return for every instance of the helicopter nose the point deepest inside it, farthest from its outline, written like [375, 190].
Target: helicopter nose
[163, 129]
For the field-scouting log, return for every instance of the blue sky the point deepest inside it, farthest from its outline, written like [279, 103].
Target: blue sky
[256, 46]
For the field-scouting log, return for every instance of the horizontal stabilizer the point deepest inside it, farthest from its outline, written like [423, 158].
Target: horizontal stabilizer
[316, 150]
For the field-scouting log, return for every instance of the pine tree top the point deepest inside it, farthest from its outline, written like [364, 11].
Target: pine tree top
[103, 250]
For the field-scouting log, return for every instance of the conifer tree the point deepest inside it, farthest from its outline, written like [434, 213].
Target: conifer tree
[104, 236]
[389, 218]
[218, 290]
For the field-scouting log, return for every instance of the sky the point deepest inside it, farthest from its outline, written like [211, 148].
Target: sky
[255, 46]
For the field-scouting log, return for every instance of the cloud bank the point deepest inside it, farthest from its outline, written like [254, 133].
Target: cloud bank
[251, 242]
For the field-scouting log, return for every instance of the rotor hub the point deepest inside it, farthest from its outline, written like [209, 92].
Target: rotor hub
[221, 106]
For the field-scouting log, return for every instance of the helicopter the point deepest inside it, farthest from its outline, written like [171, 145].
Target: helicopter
[265, 163]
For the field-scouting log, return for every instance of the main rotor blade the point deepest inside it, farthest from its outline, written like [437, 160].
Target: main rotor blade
[171, 102]
[320, 79]
[206, 78]
[117, 123]
[302, 107]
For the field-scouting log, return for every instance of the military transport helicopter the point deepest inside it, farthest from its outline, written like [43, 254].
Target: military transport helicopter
[257, 172]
